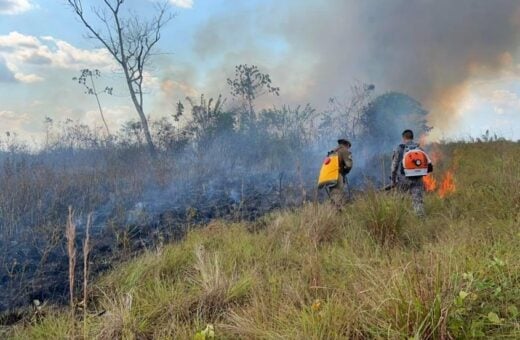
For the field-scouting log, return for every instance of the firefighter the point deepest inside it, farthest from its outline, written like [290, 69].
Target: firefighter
[337, 192]
[412, 185]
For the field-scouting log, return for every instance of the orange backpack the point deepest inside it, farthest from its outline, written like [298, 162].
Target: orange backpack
[415, 161]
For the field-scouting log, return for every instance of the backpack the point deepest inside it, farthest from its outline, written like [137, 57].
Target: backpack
[415, 162]
[329, 173]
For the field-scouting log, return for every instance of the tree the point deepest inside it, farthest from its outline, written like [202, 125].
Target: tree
[130, 41]
[205, 117]
[293, 127]
[385, 118]
[87, 80]
[345, 117]
[250, 83]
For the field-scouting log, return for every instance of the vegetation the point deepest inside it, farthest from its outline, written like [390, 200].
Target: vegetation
[130, 40]
[373, 270]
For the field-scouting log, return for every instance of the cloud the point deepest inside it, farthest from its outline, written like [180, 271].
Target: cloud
[182, 3]
[115, 116]
[6, 75]
[504, 101]
[13, 121]
[27, 49]
[28, 78]
[12, 7]
[27, 57]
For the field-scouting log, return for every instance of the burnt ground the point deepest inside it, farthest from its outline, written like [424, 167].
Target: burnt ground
[34, 263]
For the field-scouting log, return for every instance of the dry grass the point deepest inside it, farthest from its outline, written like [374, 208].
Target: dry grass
[373, 271]
[70, 235]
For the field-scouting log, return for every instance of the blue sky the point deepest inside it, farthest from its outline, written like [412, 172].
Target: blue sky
[312, 49]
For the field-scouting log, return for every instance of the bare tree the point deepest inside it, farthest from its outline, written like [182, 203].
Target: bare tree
[346, 117]
[131, 42]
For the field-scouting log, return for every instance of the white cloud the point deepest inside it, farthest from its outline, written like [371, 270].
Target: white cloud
[12, 7]
[115, 116]
[13, 121]
[28, 78]
[182, 3]
[6, 75]
[15, 39]
[28, 56]
[504, 101]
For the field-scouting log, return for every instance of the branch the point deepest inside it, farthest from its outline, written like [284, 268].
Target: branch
[77, 7]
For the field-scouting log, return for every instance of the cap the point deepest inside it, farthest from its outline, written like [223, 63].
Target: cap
[342, 140]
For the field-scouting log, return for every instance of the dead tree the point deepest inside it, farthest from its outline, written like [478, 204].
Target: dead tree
[130, 41]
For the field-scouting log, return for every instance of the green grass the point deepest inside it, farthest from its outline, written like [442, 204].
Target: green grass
[372, 271]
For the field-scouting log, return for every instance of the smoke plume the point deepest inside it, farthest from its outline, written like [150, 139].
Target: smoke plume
[425, 48]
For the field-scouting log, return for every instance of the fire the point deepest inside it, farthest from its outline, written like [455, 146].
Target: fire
[447, 186]
[429, 183]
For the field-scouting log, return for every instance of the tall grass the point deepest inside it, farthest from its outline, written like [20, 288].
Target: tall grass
[371, 271]
[70, 235]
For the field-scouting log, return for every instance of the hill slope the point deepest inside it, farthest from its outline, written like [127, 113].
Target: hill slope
[372, 271]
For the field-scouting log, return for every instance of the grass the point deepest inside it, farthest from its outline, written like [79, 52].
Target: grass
[372, 271]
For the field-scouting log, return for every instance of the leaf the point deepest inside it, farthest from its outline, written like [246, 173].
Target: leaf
[513, 311]
[463, 294]
[493, 317]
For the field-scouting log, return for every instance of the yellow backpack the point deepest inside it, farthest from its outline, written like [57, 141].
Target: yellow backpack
[329, 173]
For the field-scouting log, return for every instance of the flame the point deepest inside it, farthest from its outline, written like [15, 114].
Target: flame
[429, 183]
[447, 186]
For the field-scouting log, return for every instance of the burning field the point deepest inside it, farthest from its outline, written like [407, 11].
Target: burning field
[372, 270]
[167, 213]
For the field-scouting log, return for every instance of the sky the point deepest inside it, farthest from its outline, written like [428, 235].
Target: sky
[460, 59]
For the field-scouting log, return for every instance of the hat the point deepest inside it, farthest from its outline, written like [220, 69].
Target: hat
[345, 141]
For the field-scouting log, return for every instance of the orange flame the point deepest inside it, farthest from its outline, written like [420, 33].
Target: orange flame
[447, 186]
[429, 183]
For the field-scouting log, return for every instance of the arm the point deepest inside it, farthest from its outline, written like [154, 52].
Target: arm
[345, 160]
[395, 164]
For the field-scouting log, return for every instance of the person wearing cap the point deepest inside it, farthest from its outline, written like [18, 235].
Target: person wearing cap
[337, 192]
[410, 185]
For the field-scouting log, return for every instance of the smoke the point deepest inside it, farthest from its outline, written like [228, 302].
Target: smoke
[425, 48]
